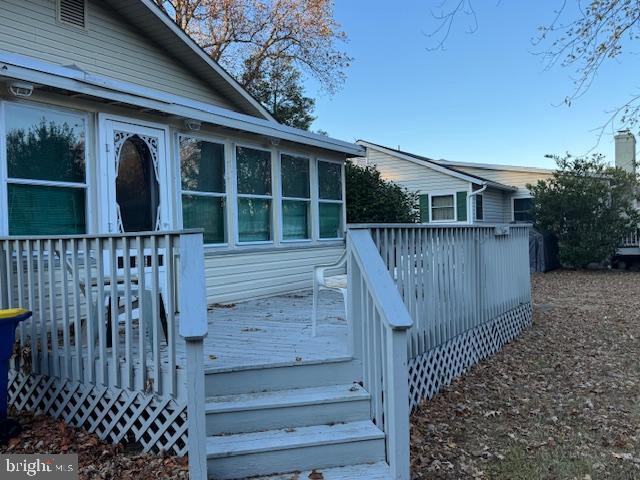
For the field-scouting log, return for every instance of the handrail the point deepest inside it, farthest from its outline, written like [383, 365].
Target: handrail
[383, 290]
[95, 236]
[435, 226]
[104, 305]
[453, 278]
[379, 323]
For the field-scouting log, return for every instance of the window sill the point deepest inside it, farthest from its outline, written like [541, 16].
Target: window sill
[297, 240]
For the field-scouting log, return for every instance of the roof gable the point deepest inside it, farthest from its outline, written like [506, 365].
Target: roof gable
[435, 165]
[160, 28]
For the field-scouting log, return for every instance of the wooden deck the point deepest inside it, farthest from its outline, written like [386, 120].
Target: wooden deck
[274, 331]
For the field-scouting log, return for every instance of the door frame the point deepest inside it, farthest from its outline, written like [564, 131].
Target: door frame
[106, 188]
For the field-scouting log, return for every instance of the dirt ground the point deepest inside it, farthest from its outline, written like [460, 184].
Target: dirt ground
[560, 402]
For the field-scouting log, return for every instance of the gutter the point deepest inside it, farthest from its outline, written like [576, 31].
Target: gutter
[469, 209]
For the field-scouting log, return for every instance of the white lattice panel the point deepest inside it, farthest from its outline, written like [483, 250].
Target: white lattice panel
[115, 415]
[437, 368]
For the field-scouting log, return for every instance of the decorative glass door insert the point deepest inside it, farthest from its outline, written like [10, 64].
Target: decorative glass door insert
[138, 188]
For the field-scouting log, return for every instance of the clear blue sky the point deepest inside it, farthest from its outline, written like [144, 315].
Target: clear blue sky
[485, 98]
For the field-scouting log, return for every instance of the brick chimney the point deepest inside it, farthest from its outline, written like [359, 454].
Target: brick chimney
[626, 151]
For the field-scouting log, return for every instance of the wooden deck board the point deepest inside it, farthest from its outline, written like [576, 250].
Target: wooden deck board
[270, 332]
[274, 331]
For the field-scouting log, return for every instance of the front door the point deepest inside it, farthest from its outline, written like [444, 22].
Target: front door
[137, 193]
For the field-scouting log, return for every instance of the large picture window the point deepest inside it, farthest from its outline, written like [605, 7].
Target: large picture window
[443, 208]
[255, 194]
[46, 171]
[296, 197]
[330, 199]
[204, 197]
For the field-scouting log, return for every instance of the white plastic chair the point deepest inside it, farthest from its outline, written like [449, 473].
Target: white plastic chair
[322, 282]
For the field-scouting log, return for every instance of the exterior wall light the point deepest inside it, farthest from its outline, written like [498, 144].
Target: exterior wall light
[21, 89]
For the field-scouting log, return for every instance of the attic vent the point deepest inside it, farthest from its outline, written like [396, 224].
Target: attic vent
[73, 12]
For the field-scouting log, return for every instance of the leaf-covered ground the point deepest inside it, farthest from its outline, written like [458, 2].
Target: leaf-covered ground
[560, 402]
[97, 459]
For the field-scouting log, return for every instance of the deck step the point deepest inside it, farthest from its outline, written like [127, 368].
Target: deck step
[367, 471]
[294, 449]
[299, 407]
[284, 377]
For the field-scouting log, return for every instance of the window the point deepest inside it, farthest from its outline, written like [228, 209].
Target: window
[296, 197]
[46, 171]
[330, 199]
[204, 196]
[479, 207]
[523, 210]
[254, 194]
[442, 208]
[423, 206]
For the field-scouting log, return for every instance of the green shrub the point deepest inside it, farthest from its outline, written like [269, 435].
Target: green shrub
[371, 199]
[589, 206]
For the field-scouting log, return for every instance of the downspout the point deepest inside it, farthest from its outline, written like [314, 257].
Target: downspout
[472, 214]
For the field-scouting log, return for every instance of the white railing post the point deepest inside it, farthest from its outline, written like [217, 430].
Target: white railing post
[193, 328]
[354, 304]
[381, 323]
[398, 402]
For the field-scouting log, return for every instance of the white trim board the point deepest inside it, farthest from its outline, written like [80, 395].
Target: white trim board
[436, 167]
[25, 68]
[496, 166]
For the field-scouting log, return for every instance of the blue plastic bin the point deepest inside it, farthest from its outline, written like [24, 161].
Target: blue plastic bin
[9, 320]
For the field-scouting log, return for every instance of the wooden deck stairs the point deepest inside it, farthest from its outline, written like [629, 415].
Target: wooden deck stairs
[288, 420]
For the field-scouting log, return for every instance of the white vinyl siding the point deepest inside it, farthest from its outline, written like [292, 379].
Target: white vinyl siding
[238, 276]
[414, 177]
[494, 206]
[507, 177]
[108, 46]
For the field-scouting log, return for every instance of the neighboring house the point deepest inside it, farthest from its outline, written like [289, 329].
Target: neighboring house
[461, 192]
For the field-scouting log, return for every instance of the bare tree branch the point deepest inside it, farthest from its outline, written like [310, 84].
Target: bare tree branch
[244, 35]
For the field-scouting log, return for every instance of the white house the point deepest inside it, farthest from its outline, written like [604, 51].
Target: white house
[159, 138]
[450, 190]
[142, 191]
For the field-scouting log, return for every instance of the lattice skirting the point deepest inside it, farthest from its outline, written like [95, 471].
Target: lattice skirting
[436, 368]
[115, 415]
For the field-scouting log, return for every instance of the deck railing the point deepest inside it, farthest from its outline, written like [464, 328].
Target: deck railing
[455, 278]
[379, 324]
[104, 307]
[414, 288]
[631, 240]
[105, 314]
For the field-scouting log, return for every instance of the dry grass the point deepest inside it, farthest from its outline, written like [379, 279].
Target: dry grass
[562, 401]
